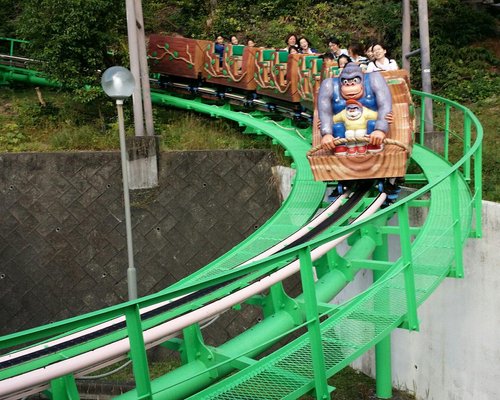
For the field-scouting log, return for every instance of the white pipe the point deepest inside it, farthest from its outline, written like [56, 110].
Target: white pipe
[78, 334]
[170, 328]
[301, 232]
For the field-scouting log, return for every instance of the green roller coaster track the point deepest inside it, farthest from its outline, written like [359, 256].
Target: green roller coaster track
[332, 336]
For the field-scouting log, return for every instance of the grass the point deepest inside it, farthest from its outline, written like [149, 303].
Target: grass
[64, 124]
[125, 375]
[181, 130]
[349, 384]
[354, 385]
[488, 112]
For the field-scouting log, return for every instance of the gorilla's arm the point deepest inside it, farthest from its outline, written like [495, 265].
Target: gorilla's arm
[384, 100]
[324, 105]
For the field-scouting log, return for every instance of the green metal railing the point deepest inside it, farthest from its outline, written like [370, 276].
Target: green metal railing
[9, 44]
[470, 161]
[429, 253]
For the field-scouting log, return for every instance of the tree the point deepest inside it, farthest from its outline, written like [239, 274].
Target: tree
[9, 10]
[74, 39]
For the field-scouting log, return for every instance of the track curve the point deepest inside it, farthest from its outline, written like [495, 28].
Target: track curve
[430, 253]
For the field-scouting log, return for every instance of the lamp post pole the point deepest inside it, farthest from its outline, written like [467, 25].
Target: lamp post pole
[131, 271]
[119, 83]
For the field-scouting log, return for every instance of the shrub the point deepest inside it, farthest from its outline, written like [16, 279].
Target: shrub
[86, 137]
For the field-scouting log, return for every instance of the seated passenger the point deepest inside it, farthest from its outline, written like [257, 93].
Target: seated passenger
[329, 63]
[219, 48]
[293, 50]
[343, 60]
[381, 62]
[369, 52]
[250, 42]
[334, 48]
[290, 41]
[355, 118]
[233, 39]
[305, 46]
[355, 52]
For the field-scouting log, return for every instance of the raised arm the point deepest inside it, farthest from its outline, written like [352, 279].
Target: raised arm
[325, 111]
[384, 100]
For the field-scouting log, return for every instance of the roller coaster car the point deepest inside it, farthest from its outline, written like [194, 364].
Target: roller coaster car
[309, 79]
[391, 162]
[236, 70]
[177, 56]
[276, 74]
[329, 69]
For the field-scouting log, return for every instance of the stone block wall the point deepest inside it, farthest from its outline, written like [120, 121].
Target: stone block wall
[62, 228]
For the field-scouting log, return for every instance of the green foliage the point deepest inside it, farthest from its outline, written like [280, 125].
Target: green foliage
[11, 137]
[180, 130]
[9, 10]
[469, 77]
[73, 37]
[459, 24]
[354, 385]
[32, 114]
[463, 69]
[83, 138]
[161, 17]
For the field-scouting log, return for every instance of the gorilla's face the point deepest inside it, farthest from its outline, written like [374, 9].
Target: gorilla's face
[351, 88]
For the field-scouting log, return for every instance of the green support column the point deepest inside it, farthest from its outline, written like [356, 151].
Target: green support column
[64, 388]
[383, 362]
[406, 255]
[457, 270]
[318, 359]
[138, 353]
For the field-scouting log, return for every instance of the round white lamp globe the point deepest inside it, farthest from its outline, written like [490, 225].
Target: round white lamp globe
[118, 83]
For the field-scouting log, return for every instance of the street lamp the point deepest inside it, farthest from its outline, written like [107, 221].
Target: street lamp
[118, 83]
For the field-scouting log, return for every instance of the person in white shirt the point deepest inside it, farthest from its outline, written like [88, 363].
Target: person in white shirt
[355, 52]
[334, 48]
[381, 62]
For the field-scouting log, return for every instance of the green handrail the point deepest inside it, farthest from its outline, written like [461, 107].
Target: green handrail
[470, 153]
[12, 43]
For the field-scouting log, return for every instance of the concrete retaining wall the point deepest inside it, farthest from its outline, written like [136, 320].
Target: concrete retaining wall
[456, 355]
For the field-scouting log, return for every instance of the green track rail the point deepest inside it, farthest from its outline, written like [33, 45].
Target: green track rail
[450, 201]
[305, 198]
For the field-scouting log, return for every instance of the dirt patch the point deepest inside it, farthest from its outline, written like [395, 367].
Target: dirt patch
[491, 44]
[6, 109]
